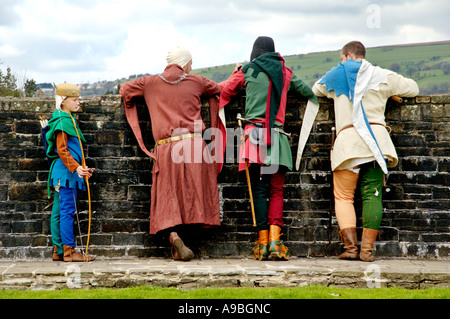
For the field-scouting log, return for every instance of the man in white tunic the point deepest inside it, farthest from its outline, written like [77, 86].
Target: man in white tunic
[363, 148]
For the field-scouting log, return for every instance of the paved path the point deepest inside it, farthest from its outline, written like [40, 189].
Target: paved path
[200, 273]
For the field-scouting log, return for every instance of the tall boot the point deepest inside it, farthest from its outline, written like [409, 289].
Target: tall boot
[261, 250]
[55, 256]
[367, 244]
[179, 250]
[350, 240]
[70, 255]
[276, 247]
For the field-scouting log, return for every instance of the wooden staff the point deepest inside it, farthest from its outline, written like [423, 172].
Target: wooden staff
[246, 169]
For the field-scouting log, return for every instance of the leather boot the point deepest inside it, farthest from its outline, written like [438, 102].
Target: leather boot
[261, 250]
[367, 244]
[180, 251]
[276, 247]
[350, 240]
[57, 257]
[70, 255]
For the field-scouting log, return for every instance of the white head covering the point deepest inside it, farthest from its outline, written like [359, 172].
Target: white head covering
[179, 56]
[58, 100]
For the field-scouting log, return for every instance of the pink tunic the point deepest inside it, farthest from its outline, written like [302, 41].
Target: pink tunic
[184, 189]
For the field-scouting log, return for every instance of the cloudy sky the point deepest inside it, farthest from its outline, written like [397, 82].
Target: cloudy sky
[92, 40]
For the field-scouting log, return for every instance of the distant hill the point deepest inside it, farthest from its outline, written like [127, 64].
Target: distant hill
[426, 63]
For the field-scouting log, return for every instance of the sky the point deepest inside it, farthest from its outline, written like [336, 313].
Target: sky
[87, 41]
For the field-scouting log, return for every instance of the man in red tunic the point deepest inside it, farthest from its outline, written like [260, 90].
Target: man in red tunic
[184, 189]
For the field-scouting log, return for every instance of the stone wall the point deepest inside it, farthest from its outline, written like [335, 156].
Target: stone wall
[416, 198]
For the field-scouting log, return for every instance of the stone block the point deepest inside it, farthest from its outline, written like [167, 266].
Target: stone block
[440, 99]
[27, 192]
[139, 193]
[437, 111]
[411, 113]
[423, 99]
[419, 164]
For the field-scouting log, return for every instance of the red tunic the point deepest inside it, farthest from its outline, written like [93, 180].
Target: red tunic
[184, 189]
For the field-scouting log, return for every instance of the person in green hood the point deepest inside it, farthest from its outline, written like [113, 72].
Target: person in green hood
[267, 153]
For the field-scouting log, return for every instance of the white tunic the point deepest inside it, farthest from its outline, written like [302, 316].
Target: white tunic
[350, 150]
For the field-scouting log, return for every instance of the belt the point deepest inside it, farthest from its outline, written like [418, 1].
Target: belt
[387, 127]
[178, 138]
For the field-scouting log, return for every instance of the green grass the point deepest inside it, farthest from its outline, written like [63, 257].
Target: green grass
[423, 63]
[310, 292]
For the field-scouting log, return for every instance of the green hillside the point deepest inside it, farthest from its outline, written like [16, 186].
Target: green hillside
[428, 64]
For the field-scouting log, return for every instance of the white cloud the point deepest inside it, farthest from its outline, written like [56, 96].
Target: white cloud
[411, 33]
[144, 50]
[9, 51]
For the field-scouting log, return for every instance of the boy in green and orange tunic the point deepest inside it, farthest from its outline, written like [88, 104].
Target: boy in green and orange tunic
[66, 173]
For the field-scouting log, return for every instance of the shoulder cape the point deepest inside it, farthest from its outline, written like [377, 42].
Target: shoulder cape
[61, 121]
[354, 79]
[280, 77]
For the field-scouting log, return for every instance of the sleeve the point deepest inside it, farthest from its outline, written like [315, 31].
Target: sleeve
[211, 87]
[320, 89]
[64, 153]
[224, 83]
[232, 88]
[132, 89]
[402, 86]
[301, 87]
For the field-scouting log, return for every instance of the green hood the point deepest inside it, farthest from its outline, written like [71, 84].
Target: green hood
[61, 121]
[273, 65]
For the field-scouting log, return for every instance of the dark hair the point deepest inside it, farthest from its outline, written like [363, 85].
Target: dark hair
[262, 45]
[357, 48]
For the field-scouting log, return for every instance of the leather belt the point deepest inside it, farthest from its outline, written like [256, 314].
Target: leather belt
[178, 138]
[387, 127]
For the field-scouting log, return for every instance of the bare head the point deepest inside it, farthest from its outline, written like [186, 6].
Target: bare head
[353, 50]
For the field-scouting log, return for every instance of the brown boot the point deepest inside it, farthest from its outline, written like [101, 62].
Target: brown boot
[180, 251]
[276, 247]
[70, 255]
[57, 257]
[367, 244]
[261, 250]
[350, 240]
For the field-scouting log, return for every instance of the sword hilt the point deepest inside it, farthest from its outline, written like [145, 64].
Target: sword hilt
[281, 132]
[240, 118]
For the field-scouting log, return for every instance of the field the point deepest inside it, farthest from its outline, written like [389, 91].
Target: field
[428, 64]
[312, 292]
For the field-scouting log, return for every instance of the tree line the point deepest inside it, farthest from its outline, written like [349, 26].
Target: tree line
[13, 85]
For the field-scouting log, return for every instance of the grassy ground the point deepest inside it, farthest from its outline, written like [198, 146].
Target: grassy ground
[310, 292]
